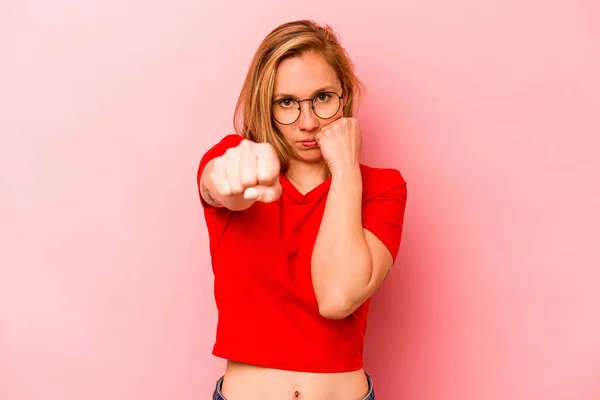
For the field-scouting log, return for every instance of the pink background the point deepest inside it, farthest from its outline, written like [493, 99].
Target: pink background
[489, 109]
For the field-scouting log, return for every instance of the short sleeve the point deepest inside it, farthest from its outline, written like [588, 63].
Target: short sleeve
[217, 150]
[216, 217]
[384, 202]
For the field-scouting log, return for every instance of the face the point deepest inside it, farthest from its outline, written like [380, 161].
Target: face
[299, 78]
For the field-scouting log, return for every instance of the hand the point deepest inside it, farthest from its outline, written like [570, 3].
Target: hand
[340, 143]
[249, 168]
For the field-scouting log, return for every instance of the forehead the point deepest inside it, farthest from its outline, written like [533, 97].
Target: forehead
[304, 74]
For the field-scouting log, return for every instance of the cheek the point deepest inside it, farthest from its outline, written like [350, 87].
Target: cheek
[337, 116]
[285, 130]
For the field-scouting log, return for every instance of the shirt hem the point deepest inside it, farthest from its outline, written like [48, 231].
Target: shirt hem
[265, 362]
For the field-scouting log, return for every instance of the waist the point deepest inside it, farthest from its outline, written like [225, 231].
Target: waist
[286, 336]
[249, 382]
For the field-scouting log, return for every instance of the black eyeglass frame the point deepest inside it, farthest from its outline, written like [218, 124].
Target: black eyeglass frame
[312, 104]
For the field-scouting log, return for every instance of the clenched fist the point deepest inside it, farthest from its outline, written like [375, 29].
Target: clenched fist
[340, 143]
[251, 169]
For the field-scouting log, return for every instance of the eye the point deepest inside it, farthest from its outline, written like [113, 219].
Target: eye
[286, 103]
[323, 97]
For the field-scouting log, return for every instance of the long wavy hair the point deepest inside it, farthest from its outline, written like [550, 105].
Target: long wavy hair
[253, 118]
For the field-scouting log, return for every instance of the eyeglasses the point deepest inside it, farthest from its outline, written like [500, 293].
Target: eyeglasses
[325, 105]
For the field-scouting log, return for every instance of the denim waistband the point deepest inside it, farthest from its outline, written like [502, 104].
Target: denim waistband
[218, 395]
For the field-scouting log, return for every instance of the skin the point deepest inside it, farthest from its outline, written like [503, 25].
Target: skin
[345, 275]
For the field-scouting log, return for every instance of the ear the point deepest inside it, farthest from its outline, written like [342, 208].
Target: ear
[345, 97]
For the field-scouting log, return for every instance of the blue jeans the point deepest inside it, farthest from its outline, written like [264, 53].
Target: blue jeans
[217, 395]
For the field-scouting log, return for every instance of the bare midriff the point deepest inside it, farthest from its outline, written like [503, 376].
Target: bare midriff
[249, 382]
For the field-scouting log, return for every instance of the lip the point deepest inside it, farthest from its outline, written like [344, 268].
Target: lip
[309, 143]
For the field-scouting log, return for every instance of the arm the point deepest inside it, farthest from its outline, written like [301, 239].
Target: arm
[349, 263]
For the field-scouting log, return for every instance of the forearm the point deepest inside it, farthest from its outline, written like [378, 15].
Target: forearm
[341, 265]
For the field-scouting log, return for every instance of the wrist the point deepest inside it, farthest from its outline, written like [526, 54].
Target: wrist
[350, 176]
[346, 172]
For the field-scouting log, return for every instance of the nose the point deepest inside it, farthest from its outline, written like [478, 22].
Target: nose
[308, 121]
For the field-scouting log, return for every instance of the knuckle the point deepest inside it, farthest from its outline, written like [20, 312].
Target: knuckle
[246, 144]
[266, 174]
[263, 147]
[217, 170]
[247, 179]
[267, 151]
[263, 175]
[275, 160]
[246, 182]
[229, 152]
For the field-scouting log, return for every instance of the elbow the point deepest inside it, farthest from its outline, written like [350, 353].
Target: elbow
[339, 297]
[335, 307]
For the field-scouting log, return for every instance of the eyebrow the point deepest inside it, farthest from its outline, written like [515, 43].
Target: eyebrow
[328, 88]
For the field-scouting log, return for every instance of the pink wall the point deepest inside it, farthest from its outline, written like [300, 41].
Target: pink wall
[490, 109]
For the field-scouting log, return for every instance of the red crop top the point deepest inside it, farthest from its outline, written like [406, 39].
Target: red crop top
[267, 310]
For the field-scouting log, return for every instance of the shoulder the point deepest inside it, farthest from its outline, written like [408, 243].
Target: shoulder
[373, 174]
[226, 142]
[379, 181]
[219, 148]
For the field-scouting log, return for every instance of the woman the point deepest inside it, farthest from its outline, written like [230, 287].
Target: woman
[301, 234]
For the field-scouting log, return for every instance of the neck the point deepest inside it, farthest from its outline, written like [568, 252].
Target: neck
[307, 176]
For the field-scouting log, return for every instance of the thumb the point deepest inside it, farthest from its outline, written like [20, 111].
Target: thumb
[265, 194]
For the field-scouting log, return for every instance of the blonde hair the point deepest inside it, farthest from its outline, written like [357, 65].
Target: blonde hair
[252, 118]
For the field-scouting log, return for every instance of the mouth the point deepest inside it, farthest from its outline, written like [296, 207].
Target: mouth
[309, 143]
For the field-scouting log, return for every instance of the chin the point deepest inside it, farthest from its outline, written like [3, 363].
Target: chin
[311, 156]
[307, 155]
